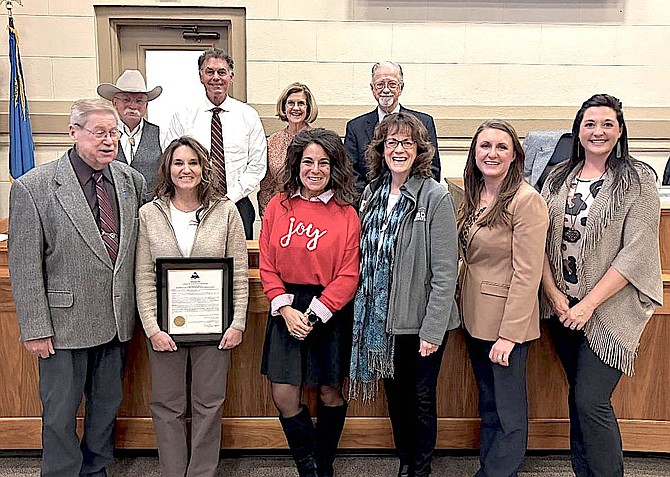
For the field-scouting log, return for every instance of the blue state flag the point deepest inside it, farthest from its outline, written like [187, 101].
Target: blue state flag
[21, 147]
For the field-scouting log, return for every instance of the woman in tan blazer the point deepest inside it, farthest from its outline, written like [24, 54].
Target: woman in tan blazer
[502, 226]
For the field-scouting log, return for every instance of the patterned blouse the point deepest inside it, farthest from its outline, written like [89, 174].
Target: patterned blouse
[581, 195]
[464, 236]
[277, 146]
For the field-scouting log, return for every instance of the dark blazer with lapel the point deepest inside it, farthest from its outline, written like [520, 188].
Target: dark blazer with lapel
[63, 281]
[359, 134]
[666, 174]
[501, 271]
[147, 157]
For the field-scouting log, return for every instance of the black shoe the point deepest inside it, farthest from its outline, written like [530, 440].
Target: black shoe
[405, 471]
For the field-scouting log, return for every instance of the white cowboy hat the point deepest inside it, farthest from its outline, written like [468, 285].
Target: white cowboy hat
[131, 81]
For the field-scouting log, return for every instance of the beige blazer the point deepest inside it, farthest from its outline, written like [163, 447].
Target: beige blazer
[501, 271]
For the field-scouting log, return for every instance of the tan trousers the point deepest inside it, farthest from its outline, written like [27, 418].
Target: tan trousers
[209, 371]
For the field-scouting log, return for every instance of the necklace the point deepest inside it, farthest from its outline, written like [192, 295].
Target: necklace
[465, 231]
[570, 234]
[131, 139]
[185, 209]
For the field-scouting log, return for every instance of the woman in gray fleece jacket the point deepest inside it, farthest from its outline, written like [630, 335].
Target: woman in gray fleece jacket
[405, 305]
[187, 219]
[602, 276]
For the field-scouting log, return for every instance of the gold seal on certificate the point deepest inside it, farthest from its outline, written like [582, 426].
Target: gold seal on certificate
[194, 297]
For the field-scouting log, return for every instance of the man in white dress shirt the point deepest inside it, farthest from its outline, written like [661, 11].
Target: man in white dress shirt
[139, 142]
[244, 148]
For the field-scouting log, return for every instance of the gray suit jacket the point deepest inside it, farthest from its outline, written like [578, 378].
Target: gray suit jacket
[64, 283]
[539, 147]
[147, 157]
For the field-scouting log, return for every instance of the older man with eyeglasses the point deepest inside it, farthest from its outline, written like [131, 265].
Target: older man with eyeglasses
[139, 141]
[72, 233]
[386, 85]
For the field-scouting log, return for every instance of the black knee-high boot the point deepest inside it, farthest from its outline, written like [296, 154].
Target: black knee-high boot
[301, 438]
[329, 425]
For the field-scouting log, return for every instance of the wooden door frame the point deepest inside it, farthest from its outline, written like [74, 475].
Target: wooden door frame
[109, 18]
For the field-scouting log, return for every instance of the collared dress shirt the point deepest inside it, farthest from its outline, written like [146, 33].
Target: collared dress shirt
[84, 174]
[244, 144]
[382, 114]
[129, 149]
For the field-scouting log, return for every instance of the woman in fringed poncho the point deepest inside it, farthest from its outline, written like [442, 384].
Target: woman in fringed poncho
[602, 275]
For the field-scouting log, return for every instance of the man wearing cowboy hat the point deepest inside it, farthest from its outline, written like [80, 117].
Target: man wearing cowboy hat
[139, 143]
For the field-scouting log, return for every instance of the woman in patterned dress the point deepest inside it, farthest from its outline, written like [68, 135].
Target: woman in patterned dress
[297, 107]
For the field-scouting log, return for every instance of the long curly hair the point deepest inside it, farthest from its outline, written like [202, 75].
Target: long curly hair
[473, 179]
[619, 160]
[402, 123]
[206, 191]
[341, 170]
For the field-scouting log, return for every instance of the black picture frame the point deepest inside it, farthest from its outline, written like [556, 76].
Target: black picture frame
[163, 267]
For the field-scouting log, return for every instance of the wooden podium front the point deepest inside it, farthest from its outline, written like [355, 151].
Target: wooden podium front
[250, 419]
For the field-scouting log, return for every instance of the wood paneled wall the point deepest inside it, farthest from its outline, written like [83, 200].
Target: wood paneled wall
[250, 421]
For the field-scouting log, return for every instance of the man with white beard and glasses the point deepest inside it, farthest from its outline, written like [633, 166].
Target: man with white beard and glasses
[386, 85]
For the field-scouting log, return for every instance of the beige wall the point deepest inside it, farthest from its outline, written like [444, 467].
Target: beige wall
[530, 61]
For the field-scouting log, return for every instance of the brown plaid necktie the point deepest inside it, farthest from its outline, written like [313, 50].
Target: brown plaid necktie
[216, 153]
[107, 218]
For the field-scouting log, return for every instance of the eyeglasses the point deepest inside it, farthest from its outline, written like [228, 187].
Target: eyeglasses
[393, 143]
[381, 85]
[299, 104]
[127, 100]
[100, 134]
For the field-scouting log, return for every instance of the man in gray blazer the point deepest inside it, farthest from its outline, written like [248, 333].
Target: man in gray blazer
[139, 143]
[72, 230]
[386, 85]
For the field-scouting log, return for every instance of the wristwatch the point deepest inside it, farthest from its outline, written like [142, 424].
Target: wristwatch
[312, 317]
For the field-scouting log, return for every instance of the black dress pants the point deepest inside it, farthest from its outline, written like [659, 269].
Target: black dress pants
[503, 408]
[65, 377]
[248, 215]
[412, 402]
[595, 439]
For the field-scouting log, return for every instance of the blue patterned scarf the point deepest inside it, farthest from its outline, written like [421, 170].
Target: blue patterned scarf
[372, 347]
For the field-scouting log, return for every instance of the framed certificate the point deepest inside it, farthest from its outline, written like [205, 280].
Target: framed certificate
[195, 298]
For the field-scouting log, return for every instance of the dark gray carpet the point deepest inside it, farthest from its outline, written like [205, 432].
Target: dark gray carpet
[349, 466]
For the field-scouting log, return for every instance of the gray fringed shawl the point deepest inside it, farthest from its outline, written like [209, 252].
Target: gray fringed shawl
[621, 232]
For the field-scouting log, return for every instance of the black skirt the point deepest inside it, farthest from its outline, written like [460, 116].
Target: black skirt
[321, 359]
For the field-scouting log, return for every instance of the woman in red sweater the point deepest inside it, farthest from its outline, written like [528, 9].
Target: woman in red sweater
[309, 270]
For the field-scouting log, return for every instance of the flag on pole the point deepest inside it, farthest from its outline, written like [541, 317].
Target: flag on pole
[21, 147]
